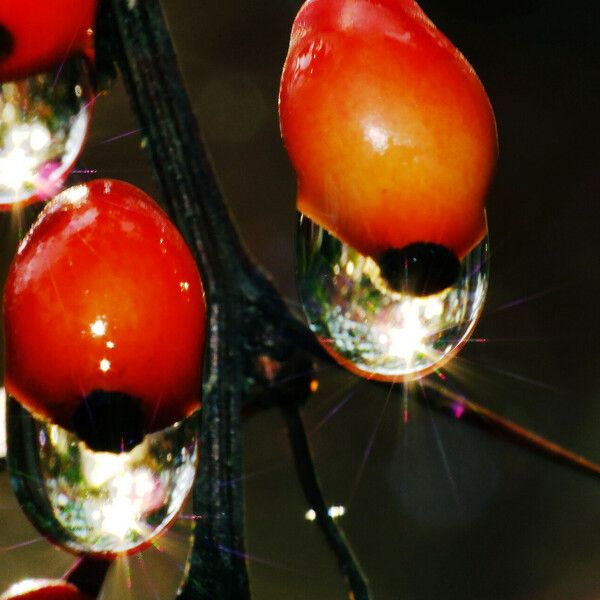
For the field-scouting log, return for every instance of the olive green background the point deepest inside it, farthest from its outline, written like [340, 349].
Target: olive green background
[439, 510]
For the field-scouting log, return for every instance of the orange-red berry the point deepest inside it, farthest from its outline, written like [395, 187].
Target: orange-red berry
[388, 127]
[104, 303]
[43, 589]
[37, 36]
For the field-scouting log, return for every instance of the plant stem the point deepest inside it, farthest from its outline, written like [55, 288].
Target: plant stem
[446, 400]
[88, 574]
[347, 562]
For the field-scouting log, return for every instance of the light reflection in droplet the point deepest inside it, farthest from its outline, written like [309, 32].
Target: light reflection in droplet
[104, 466]
[349, 267]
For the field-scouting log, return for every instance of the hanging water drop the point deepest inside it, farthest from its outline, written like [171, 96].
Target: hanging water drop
[99, 502]
[44, 120]
[400, 326]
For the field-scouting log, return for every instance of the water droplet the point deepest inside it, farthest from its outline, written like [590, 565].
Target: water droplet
[99, 502]
[44, 123]
[377, 330]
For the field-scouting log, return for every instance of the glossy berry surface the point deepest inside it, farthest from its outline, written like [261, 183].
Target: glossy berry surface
[390, 131]
[43, 589]
[37, 36]
[104, 300]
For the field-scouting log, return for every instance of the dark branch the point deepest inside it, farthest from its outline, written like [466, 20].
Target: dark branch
[292, 387]
[348, 564]
[88, 574]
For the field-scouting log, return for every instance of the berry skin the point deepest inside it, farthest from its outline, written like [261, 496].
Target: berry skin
[389, 129]
[37, 36]
[43, 589]
[104, 302]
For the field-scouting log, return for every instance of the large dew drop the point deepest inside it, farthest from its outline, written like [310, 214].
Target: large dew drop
[99, 502]
[43, 124]
[374, 330]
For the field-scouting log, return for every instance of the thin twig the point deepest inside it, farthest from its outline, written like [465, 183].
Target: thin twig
[348, 564]
[448, 401]
[88, 574]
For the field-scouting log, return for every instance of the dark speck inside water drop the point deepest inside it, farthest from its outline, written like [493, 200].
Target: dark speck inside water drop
[419, 269]
[109, 421]
[7, 42]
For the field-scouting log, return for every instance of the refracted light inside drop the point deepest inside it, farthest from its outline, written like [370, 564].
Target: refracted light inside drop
[99, 502]
[372, 330]
[43, 124]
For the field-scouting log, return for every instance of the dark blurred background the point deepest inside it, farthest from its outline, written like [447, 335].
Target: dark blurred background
[436, 509]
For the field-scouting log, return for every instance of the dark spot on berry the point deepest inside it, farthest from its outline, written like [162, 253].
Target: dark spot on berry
[419, 269]
[7, 42]
[109, 421]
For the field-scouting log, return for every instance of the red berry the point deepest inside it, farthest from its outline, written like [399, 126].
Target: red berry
[104, 302]
[43, 589]
[388, 127]
[35, 36]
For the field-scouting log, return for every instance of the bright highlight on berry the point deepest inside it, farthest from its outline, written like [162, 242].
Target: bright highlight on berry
[393, 140]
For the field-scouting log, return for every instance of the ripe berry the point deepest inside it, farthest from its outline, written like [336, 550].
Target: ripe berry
[36, 36]
[43, 589]
[390, 132]
[104, 317]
